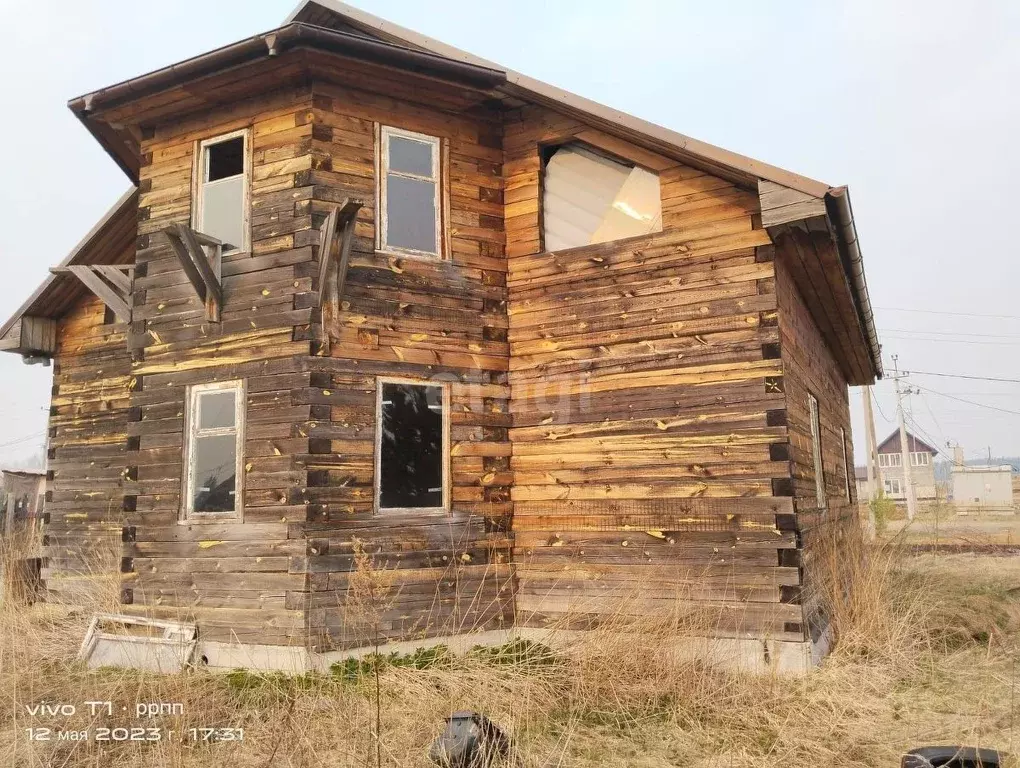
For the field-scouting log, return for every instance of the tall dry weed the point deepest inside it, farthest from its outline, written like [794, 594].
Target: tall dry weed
[627, 691]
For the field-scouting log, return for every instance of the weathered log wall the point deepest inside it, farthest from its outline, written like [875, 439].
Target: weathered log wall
[444, 321]
[649, 442]
[88, 425]
[827, 536]
[634, 412]
[238, 579]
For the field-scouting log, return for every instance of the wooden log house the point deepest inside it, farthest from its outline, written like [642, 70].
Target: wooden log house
[389, 342]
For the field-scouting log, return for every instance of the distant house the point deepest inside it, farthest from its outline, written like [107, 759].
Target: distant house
[922, 467]
[861, 479]
[25, 491]
[983, 488]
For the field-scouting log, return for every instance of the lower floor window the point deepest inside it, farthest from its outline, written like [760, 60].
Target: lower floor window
[893, 486]
[213, 449]
[411, 454]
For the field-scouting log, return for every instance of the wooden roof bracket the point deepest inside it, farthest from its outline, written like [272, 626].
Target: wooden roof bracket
[110, 282]
[201, 269]
[338, 228]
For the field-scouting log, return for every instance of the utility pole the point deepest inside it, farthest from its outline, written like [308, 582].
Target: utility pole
[874, 475]
[908, 481]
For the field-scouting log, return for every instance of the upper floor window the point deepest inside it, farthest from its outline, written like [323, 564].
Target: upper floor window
[221, 199]
[214, 449]
[920, 459]
[590, 198]
[409, 211]
[890, 460]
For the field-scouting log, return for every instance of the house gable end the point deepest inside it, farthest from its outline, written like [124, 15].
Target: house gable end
[892, 444]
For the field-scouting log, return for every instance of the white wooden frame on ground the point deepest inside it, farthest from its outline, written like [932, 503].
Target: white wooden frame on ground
[383, 134]
[444, 387]
[168, 652]
[191, 434]
[198, 173]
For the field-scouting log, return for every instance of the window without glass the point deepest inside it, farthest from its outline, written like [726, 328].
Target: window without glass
[590, 198]
[221, 207]
[411, 446]
[816, 452]
[408, 192]
[213, 449]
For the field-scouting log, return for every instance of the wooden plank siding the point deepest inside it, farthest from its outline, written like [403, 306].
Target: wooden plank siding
[435, 320]
[86, 459]
[238, 579]
[628, 421]
[648, 425]
[810, 368]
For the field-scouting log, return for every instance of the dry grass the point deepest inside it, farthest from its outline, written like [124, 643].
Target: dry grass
[927, 655]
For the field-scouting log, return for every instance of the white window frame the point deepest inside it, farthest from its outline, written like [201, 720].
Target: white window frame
[377, 498]
[920, 459]
[846, 464]
[889, 482]
[890, 460]
[816, 452]
[382, 161]
[191, 433]
[198, 184]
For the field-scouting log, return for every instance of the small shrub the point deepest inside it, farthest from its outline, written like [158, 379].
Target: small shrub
[884, 509]
[354, 670]
[517, 653]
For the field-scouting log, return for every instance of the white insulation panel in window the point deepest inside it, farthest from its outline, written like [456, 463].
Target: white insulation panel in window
[590, 198]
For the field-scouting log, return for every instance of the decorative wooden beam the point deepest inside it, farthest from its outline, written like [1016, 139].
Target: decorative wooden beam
[201, 269]
[333, 274]
[333, 271]
[107, 281]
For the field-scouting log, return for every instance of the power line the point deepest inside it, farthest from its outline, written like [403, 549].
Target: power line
[938, 426]
[969, 402]
[950, 314]
[950, 333]
[963, 376]
[933, 442]
[25, 439]
[952, 341]
[879, 407]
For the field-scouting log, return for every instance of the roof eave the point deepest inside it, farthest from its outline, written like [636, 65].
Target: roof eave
[126, 200]
[251, 49]
[687, 148]
[837, 202]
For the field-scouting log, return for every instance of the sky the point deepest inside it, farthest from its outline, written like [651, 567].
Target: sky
[913, 104]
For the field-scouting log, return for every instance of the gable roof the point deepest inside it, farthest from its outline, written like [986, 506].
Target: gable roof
[803, 192]
[338, 28]
[110, 241]
[708, 157]
[892, 444]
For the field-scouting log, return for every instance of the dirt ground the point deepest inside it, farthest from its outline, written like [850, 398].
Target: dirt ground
[949, 528]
